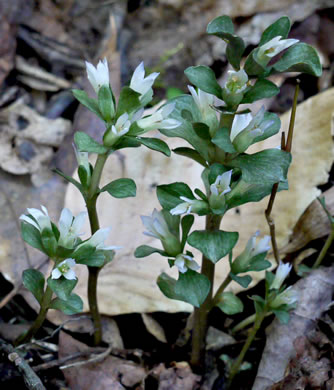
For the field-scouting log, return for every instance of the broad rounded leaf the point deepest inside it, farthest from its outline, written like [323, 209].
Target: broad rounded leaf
[191, 287]
[128, 101]
[169, 194]
[72, 305]
[230, 304]
[121, 188]
[32, 236]
[88, 102]
[34, 281]
[244, 281]
[279, 28]
[213, 244]
[262, 89]
[85, 143]
[146, 250]
[205, 79]
[62, 287]
[155, 144]
[300, 58]
[190, 153]
[106, 103]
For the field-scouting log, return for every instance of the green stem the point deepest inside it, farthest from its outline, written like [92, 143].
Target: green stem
[201, 313]
[221, 289]
[325, 248]
[93, 272]
[45, 304]
[237, 363]
[247, 321]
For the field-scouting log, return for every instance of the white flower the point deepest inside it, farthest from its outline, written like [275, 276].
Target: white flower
[83, 161]
[185, 262]
[287, 297]
[159, 120]
[139, 82]
[247, 124]
[64, 269]
[97, 241]
[281, 273]
[272, 48]
[185, 207]
[122, 125]
[253, 248]
[236, 81]
[222, 184]
[203, 100]
[70, 227]
[98, 76]
[156, 225]
[37, 218]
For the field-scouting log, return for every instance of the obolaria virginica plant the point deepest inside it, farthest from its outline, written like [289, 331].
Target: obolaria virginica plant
[125, 126]
[219, 132]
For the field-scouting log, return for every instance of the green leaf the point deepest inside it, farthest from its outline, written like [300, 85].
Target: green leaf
[185, 103]
[95, 259]
[252, 67]
[213, 244]
[223, 141]
[262, 89]
[216, 169]
[86, 143]
[72, 305]
[186, 223]
[127, 142]
[106, 103]
[266, 167]
[204, 78]
[223, 28]
[128, 101]
[169, 194]
[121, 188]
[259, 263]
[191, 287]
[282, 315]
[32, 236]
[202, 130]
[279, 28]
[69, 179]
[33, 280]
[155, 144]
[146, 250]
[49, 242]
[88, 102]
[190, 153]
[62, 287]
[300, 58]
[244, 281]
[230, 304]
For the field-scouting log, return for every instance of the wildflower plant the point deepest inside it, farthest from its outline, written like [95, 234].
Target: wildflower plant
[124, 127]
[219, 131]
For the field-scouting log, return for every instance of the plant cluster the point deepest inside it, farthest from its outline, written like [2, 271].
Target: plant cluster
[219, 133]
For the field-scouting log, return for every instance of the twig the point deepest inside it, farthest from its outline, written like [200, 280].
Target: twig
[30, 378]
[94, 359]
[286, 146]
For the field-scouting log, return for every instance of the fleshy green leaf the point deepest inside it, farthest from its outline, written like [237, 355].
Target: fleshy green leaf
[204, 78]
[128, 101]
[88, 102]
[146, 250]
[169, 194]
[106, 103]
[32, 236]
[252, 67]
[213, 244]
[266, 167]
[223, 141]
[95, 259]
[244, 281]
[230, 304]
[62, 287]
[49, 242]
[279, 28]
[185, 104]
[300, 58]
[186, 223]
[202, 130]
[262, 89]
[121, 188]
[72, 305]
[127, 142]
[190, 153]
[155, 144]
[191, 287]
[33, 280]
[282, 315]
[223, 28]
[86, 143]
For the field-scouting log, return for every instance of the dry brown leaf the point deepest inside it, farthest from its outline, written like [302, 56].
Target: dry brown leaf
[128, 284]
[153, 327]
[110, 374]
